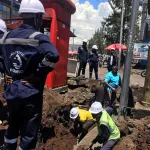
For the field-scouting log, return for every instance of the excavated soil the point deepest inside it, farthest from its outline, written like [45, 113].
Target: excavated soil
[55, 126]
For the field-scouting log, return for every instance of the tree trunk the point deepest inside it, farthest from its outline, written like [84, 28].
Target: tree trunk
[147, 83]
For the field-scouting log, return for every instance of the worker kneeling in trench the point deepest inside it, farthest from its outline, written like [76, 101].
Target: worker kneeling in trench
[108, 132]
[83, 121]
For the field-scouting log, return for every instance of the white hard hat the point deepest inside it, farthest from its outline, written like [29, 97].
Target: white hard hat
[74, 113]
[3, 27]
[85, 40]
[96, 108]
[94, 47]
[31, 6]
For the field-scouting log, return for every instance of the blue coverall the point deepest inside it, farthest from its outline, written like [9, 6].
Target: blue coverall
[1, 60]
[26, 54]
[82, 57]
[93, 62]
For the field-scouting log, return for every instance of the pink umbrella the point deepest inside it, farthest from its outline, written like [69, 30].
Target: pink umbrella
[70, 52]
[75, 52]
[116, 47]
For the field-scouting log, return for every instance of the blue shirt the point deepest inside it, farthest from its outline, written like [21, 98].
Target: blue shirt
[114, 80]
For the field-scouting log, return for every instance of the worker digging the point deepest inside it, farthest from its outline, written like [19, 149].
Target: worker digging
[83, 121]
[108, 132]
[49, 97]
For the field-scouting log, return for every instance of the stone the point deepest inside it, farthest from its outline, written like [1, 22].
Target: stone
[148, 126]
[148, 140]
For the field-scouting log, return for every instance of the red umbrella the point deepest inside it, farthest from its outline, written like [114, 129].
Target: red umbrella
[116, 47]
[70, 52]
[75, 52]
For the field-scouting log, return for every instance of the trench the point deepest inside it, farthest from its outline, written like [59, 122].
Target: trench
[56, 127]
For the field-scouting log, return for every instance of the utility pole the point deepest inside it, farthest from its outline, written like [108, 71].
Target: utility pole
[73, 37]
[121, 29]
[143, 22]
[127, 70]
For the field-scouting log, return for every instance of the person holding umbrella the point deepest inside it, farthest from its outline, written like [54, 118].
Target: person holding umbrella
[111, 60]
[82, 57]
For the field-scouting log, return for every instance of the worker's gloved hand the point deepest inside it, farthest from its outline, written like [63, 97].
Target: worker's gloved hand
[95, 140]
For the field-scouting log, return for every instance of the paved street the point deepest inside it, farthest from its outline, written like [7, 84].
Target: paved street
[134, 78]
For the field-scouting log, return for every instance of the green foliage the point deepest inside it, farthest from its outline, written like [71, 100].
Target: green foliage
[109, 32]
[98, 39]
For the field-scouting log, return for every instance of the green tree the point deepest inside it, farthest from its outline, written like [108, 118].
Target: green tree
[113, 22]
[109, 32]
[98, 39]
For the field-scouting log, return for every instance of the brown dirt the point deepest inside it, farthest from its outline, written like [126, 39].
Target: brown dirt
[55, 131]
[63, 140]
[138, 136]
[55, 126]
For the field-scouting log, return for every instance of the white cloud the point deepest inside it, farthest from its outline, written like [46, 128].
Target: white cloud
[87, 19]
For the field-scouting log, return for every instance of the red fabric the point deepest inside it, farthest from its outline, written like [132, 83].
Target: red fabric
[116, 47]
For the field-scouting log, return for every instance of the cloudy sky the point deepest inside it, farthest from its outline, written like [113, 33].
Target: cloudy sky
[88, 17]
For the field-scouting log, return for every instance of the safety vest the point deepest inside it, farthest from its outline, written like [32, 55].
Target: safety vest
[107, 121]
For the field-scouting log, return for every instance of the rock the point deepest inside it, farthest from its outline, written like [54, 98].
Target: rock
[148, 126]
[144, 146]
[123, 127]
[138, 114]
[135, 86]
[125, 144]
[148, 140]
[78, 81]
[131, 125]
[138, 106]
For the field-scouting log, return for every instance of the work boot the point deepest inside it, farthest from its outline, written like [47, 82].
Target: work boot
[96, 76]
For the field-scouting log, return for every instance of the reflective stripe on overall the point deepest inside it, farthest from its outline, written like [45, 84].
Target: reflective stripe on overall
[107, 121]
[30, 42]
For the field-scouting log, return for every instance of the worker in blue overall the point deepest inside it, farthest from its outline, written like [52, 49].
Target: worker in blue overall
[93, 61]
[82, 57]
[3, 29]
[28, 57]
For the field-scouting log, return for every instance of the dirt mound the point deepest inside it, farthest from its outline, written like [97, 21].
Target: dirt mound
[54, 107]
[55, 125]
[138, 136]
[63, 140]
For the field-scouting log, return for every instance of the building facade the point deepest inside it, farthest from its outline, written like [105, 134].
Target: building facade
[9, 9]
